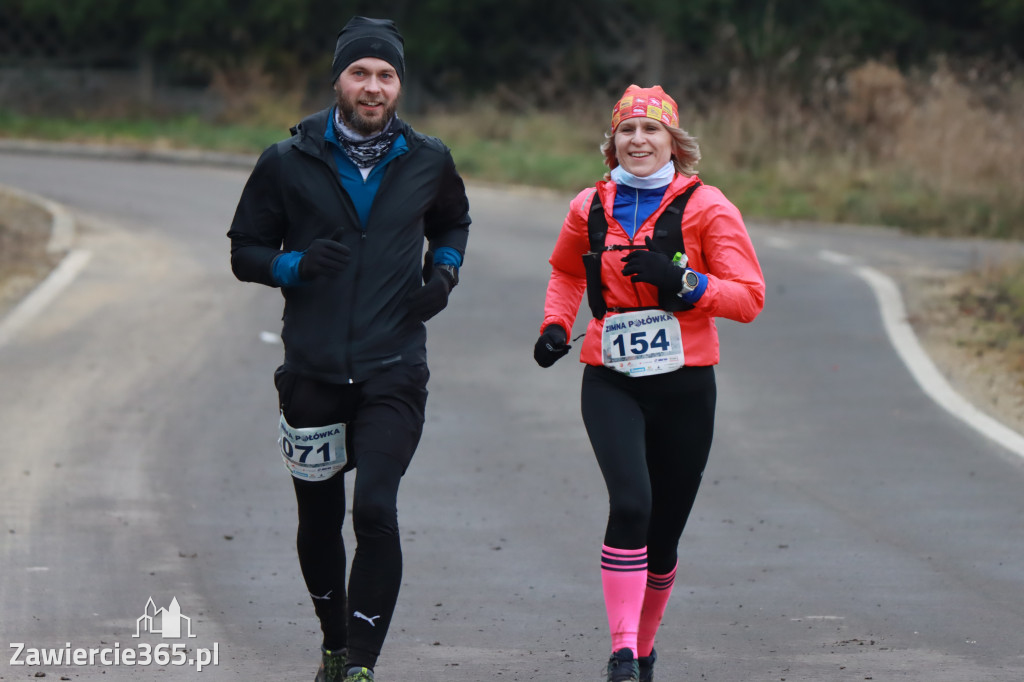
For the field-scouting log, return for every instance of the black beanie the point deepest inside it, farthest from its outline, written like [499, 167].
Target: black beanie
[363, 37]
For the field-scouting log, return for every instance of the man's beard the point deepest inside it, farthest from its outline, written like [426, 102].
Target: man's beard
[360, 124]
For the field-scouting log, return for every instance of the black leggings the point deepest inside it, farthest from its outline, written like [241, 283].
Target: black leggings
[651, 436]
[385, 420]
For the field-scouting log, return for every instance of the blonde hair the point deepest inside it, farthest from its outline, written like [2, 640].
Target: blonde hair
[685, 151]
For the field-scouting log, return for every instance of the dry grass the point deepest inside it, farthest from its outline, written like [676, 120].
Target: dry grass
[972, 326]
[994, 300]
[539, 148]
[24, 233]
[24, 230]
[934, 151]
[251, 96]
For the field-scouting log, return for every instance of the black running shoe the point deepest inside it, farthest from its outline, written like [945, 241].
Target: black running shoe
[647, 666]
[622, 667]
[332, 666]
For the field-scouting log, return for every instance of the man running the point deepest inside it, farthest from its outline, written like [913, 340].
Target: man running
[336, 217]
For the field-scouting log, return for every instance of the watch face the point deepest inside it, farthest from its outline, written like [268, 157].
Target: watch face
[691, 279]
[452, 271]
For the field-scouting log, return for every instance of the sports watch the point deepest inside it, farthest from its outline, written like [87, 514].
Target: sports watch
[690, 278]
[451, 272]
[690, 282]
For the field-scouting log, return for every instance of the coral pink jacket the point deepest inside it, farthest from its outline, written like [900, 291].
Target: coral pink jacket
[717, 245]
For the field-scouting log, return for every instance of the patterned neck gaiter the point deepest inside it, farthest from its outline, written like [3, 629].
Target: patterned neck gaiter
[365, 152]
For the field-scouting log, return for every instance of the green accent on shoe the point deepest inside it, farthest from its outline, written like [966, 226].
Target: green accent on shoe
[647, 666]
[332, 666]
[622, 667]
[359, 675]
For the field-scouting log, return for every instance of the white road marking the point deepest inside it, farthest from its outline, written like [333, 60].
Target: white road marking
[903, 339]
[833, 257]
[43, 294]
[779, 243]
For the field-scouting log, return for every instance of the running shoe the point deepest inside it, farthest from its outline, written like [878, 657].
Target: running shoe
[332, 666]
[359, 675]
[622, 667]
[647, 666]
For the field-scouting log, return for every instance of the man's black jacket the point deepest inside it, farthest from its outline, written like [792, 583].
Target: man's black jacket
[349, 326]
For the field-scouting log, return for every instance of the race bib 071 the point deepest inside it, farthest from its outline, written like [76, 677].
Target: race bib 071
[315, 453]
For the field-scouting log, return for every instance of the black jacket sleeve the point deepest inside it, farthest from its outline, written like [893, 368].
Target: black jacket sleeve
[258, 227]
[447, 221]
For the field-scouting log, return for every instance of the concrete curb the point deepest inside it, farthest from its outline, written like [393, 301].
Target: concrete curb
[62, 236]
[62, 224]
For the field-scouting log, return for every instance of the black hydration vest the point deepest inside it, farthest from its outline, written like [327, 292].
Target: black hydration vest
[668, 238]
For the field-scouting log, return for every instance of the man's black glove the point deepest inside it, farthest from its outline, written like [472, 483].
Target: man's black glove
[550, 346]
[432, 297]
[653, 267]
[323, 257]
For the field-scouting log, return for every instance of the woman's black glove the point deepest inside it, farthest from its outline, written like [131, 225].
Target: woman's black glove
[550, 346]
[323, 257]
[432, 297]
[654, 267]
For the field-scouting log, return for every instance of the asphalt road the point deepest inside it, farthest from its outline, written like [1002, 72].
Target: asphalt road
[848, 528]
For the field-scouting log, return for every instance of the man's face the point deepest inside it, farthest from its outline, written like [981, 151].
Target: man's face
[367, 92]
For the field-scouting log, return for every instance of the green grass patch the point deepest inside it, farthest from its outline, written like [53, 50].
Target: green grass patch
[175, 133]
[501, 162]
[561, 153]
[538, 149]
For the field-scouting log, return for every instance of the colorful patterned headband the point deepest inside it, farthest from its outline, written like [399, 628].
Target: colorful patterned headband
[651, 102]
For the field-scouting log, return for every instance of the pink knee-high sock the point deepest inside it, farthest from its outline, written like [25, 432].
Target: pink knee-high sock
[624, 579]
[659, 588]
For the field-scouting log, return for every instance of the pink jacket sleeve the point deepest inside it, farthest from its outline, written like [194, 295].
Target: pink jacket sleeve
[568, 278]
[735, 281]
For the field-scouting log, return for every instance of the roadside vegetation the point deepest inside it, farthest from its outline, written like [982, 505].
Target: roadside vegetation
[933, 152]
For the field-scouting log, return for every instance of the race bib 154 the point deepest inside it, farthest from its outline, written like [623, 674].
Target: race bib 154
[642, 343]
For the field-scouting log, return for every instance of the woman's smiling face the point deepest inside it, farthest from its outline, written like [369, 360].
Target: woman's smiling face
[642, 146]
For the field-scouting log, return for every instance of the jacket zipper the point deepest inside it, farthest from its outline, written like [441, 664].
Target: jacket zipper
[352, 307]
[636, 229]
[358, 264]
[343, 198]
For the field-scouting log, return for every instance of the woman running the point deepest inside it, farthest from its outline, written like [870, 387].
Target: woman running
[660, 255]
